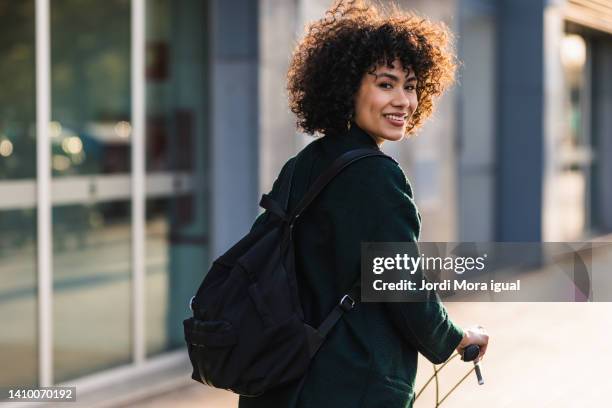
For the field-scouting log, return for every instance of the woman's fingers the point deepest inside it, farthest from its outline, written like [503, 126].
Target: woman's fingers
[476, 335]
[483, 342]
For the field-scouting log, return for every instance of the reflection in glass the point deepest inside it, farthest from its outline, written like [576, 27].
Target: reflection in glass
[18, 344]
[176, 145]
[175, 266]
[18, 279]
[91, 288]
[90, 86]
[17, 90]
[176, 73]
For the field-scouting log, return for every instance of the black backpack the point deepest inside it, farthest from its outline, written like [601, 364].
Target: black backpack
[247, 333]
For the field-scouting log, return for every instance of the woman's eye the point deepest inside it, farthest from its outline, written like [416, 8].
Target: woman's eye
[386, 85]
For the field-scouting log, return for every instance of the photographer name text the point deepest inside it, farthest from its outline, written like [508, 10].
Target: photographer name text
[448, 285]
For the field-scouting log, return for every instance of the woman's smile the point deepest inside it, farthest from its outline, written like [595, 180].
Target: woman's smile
[397, 120]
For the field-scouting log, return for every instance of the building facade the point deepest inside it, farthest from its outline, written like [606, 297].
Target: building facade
[136, 137]
[109, 177]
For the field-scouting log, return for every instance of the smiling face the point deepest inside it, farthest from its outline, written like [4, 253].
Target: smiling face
[385, 101]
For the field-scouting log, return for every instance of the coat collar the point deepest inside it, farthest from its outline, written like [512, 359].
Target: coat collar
[355, 138]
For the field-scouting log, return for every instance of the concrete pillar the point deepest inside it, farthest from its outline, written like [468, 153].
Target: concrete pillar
[519, 120]
[234, 119]
[278, 139]
[476, 121]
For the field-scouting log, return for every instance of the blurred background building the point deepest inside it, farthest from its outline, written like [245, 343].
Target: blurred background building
[147, 174]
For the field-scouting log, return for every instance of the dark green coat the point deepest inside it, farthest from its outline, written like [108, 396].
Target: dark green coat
[370, 357]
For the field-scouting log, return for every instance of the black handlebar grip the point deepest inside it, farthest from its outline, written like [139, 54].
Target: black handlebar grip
[470, 352]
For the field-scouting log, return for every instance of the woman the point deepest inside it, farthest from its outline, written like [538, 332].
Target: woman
[360, 78]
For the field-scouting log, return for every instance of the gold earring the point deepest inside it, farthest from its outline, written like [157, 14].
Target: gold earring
[348, 125]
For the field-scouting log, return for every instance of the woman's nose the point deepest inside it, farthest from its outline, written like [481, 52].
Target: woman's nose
[401, 100]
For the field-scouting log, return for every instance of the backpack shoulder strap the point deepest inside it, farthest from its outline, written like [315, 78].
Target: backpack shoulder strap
[353, 296]
[280, 206]
[328, 175]
[347, 303]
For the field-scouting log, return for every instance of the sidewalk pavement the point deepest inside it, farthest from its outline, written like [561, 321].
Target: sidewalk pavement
[192, 396]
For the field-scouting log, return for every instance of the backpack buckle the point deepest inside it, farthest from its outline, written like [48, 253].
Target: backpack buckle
[347, 303]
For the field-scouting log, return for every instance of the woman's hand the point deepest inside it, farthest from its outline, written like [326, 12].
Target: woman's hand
[474, 335]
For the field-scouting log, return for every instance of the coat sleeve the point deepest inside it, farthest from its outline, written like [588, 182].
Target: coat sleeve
[426, 325]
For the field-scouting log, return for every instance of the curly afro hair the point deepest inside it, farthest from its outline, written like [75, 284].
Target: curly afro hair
[352, 39]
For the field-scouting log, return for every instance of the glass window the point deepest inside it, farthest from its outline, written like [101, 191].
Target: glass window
[176, 151]
[175, 266]
[18, 283]
[90, 86]
[18, 344]
[17, 91]
[91, 287]
[91, 135]
[90, 163]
